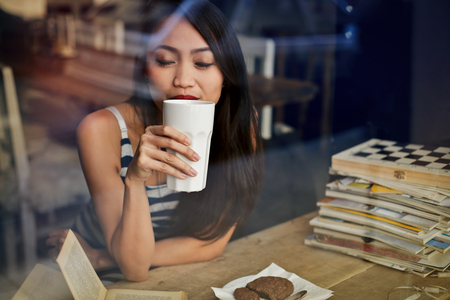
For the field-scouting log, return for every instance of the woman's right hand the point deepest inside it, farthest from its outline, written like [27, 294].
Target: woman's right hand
[150, 157]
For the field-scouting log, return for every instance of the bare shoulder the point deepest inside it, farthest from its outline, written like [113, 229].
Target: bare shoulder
[98, 138]
[96, 121]
[99, 127]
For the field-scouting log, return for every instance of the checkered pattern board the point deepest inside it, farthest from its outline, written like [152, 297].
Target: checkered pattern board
[430, 157]
[374, 156]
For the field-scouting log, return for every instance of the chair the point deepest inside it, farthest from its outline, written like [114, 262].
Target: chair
[259, 56]
[13, 158]
[37, 176]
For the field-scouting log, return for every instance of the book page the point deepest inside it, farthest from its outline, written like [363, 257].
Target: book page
[120, 294]
[81, 277]
[44, 283]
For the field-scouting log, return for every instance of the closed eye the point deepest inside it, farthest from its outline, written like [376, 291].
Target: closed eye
[164, 63]
[203, 65]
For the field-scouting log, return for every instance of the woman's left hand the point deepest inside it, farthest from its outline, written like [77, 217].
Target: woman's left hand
[99, 258]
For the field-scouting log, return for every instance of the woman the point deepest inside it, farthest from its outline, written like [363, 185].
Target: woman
[191, 53]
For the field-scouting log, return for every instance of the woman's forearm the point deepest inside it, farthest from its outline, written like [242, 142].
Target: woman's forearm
[133, 243]
[182, 250]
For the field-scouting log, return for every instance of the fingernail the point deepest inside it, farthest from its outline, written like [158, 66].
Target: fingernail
[196, 157]
[193, 172]
[187, 142]
[183, 176]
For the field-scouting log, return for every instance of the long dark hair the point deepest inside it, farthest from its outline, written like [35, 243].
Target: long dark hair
[235, 162]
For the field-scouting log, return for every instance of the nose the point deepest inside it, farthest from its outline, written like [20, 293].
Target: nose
[184, 76]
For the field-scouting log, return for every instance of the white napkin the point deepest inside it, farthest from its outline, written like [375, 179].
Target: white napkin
[314, 292]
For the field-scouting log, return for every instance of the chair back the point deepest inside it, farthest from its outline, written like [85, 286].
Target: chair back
[13, 150]
[259, 55]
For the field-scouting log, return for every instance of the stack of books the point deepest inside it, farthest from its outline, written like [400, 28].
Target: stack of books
[389, 203]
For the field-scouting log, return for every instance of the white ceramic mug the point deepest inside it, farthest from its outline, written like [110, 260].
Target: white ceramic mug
[195, 119]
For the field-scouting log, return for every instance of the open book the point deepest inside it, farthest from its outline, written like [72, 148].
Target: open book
[79, 280]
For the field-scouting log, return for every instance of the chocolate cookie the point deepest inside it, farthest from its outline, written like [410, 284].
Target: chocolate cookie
[244, 293]
[272, 287]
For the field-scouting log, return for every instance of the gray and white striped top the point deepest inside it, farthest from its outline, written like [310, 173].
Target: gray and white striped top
[161, 199]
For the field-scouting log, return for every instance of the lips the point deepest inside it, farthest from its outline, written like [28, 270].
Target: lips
[185, 97]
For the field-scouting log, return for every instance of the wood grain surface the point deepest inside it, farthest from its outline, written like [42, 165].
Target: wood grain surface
[282, 244]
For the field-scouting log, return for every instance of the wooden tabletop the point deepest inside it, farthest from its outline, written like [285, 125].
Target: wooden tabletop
[348, 277]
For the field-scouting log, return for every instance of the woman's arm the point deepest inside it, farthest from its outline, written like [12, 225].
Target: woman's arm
[172, 251]
[182, 250]
[123, 210]
[99, 138]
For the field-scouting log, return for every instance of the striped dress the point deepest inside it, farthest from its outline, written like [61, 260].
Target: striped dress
[161, 199]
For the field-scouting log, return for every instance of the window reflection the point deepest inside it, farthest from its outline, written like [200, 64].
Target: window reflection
[341, 72]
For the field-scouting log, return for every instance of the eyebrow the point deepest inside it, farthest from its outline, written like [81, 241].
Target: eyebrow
[171, 49]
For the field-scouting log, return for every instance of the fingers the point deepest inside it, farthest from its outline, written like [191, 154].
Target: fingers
[162, 161]
[55, 242]
[60, 232]
[57, 238]
[151, 157]
[168, 137]
[165, 130]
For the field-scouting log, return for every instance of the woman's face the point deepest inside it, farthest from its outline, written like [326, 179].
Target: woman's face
[182, 66]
